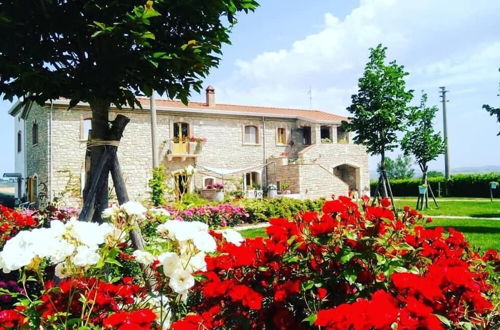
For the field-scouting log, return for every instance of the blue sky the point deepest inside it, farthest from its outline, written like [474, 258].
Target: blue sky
[287, 47]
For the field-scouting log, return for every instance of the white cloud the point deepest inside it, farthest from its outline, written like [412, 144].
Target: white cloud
[439, 42]
[452, 43]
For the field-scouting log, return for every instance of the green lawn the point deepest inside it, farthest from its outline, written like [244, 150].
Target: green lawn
[482, 234]
[478, 208]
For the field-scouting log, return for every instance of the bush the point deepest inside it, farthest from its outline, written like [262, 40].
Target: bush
[260, 210]
[342, 269]
[459, 185]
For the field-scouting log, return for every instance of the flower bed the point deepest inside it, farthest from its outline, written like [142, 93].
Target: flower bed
[11, 222]
[341, 268]
[215, 216]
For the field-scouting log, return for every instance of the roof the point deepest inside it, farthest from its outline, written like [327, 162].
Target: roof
[226, 109]
[313, 115]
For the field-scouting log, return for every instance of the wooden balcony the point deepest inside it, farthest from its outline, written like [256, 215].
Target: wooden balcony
[182, 151]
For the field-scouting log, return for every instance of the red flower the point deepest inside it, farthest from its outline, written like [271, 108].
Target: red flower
[385, 202]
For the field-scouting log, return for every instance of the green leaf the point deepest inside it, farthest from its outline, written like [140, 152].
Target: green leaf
[311, 319]
[444, 320]
[347, 257]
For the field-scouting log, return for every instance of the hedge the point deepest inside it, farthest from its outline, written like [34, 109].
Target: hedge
[260, 210]
[459, 185]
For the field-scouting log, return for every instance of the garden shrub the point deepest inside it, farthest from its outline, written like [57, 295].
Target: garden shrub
[260, 210]
[342, 269]
[459, 185]
[336, 268]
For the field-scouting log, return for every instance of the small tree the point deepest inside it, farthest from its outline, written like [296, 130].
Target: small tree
[493, 111]
[107, 52]
[399, 168]
[379, 109]
[422, 141]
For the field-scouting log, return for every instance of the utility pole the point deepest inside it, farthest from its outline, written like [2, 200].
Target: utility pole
[153, 130]
[443, 92]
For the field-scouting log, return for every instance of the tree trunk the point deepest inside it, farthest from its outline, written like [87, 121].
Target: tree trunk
[382, 173]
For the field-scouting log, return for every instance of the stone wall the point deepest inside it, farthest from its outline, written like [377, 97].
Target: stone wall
[331, 155]
[37, 154]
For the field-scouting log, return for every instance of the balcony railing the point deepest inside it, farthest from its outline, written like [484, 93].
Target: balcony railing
[183, 150]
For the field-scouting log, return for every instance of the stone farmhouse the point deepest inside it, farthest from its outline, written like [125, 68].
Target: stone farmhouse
[303, 152]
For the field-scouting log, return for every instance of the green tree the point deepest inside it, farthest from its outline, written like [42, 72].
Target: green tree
[435, 174]
[422, 141]
[493, 111]
[399, 168]
[107, 52]
[380, 108]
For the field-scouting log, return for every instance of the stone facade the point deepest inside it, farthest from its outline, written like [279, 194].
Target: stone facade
[311, 168]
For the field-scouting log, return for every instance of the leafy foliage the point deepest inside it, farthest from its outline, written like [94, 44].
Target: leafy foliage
[111, 51]
[459, 185]
[158, 186]
[420, 140]
[493, 112]
[399, 168]
[380, 107]
[337, 269]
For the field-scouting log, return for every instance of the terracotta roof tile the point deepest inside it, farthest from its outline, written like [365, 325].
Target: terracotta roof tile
[315, 115]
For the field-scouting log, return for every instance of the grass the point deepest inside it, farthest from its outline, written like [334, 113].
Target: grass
[482, 234]
[477, 208]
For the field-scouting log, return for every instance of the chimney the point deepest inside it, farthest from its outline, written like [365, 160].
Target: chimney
[210, 93]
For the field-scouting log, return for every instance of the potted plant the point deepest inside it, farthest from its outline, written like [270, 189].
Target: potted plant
[285, 188]
[422, 189]
[195, 144]
[272, 191]
[218, 191]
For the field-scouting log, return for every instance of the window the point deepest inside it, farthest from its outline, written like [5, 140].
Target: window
[19, 142]
[342, 135]
[281, 135]
[181, 132]
[208, 181]
[86, 127]
[306, 135]
[34, 133]
[252, 180]
[32, 189]
[326, 136]
[251, 135]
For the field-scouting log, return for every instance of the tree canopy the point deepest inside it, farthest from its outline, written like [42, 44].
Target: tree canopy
[421, 140]
[380, 107]
[399, 168]
[111, 50]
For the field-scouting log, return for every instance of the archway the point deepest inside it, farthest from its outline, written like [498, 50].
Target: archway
[348, 174]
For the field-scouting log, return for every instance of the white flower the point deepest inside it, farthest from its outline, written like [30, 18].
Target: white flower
[170, 262]
[181, 280]
[85, 256]
[232, 236]
[160, 305]
[144, 257]
[204, 242]
[61, 270]
[134, 208]
[197, 262]
[181, 230]
[90, 234]
[110, 211]
[159, 212]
